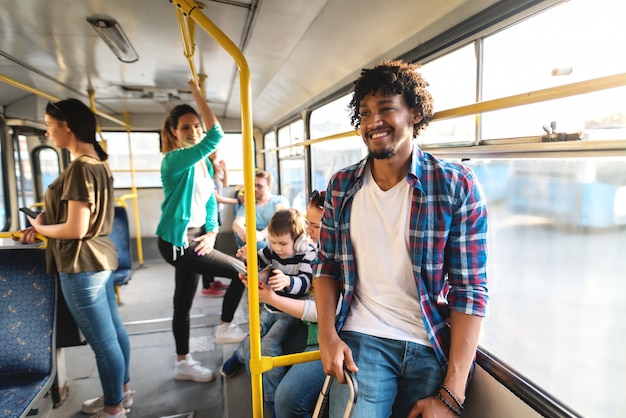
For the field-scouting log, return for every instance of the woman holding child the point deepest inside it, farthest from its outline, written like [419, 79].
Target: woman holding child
[286, 264]
[295, 394]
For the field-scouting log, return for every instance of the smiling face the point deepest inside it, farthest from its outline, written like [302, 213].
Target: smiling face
[386, 124]
[189, 129]
[282, 245]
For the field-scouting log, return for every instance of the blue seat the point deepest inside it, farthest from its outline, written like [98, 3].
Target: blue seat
[27, 329]
[120, 235]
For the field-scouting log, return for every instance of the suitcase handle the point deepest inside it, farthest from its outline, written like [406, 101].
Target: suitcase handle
[321, 407]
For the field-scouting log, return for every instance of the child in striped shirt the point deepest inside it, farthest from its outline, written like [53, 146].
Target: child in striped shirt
[286, 266]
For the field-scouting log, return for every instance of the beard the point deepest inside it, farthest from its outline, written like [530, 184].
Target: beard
[383, 154]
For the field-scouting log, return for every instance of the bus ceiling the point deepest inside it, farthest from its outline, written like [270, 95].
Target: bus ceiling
[294, 59]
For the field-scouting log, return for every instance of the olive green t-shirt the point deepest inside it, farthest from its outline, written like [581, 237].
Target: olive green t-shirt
[85, 180]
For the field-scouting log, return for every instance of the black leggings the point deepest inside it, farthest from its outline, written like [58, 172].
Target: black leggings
[188, 268]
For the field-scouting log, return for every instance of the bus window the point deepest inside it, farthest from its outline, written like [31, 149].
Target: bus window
[556, 240]
[147, 157]
[289, 135]
[291, 165]
[231, 150]
[23, 172]
[49, 166]
[581, 44]
[327, 157]
[293, 180]
[271, 158]
[452, 83]
[332, 118]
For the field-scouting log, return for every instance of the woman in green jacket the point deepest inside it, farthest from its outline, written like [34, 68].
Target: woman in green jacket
[189, 226]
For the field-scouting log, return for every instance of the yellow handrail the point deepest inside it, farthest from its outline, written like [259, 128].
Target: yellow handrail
[536, 96]
[191, 9]
[40, 93]
[17, 234]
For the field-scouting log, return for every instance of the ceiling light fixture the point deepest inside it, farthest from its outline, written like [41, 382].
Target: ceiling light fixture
[112, 34]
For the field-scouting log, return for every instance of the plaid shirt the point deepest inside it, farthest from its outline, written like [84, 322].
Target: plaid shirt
[448, 241]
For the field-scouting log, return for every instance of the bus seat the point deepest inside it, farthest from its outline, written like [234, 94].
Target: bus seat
[27, 324]
[226, 238]
[120, 235]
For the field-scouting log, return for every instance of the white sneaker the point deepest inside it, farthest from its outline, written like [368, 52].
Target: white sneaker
[102, 414]
[241, 313]
[92, 406]
[191, 369]
[229, 334]
[240, 318]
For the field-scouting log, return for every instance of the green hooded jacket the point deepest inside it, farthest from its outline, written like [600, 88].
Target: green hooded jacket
[177, 176]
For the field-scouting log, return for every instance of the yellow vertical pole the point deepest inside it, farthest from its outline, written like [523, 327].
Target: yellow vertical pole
[134, 192]
[190, 8]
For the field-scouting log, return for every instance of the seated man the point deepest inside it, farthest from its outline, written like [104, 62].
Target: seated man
[266, 204]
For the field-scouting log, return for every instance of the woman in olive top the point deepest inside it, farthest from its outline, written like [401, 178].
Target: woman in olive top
[77, 220]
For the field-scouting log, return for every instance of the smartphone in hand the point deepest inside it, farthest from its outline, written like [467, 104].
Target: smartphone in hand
[240, 268]
[264, 275]
[30, 212]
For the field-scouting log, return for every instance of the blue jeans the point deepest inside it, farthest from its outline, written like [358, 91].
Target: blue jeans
[275, 328]
[91, 299]
[299, 389]
[392, 376]
[259, 244]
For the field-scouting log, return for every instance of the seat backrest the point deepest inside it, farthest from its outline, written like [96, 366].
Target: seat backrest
[120, 235]
[225, 238]
[27, 325]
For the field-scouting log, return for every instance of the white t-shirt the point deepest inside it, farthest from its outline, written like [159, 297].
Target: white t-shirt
[203, 187]
[385, 302]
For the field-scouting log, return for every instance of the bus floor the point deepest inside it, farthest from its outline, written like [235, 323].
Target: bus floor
[146, 311]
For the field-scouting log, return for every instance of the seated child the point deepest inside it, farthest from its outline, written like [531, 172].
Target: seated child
[286, 262]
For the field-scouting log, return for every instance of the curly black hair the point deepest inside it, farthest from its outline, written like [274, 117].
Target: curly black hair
[393, 77]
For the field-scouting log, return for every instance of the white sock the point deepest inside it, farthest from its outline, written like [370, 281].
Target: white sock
[118, 415]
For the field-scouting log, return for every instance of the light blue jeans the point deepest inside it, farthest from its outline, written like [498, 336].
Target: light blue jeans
[259, 244]
[392, 376]
[297, 393]
[275, 328]
[91, 299]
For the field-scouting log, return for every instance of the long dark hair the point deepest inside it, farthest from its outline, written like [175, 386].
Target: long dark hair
[316, 200]
[80, 119]
[169, 141]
